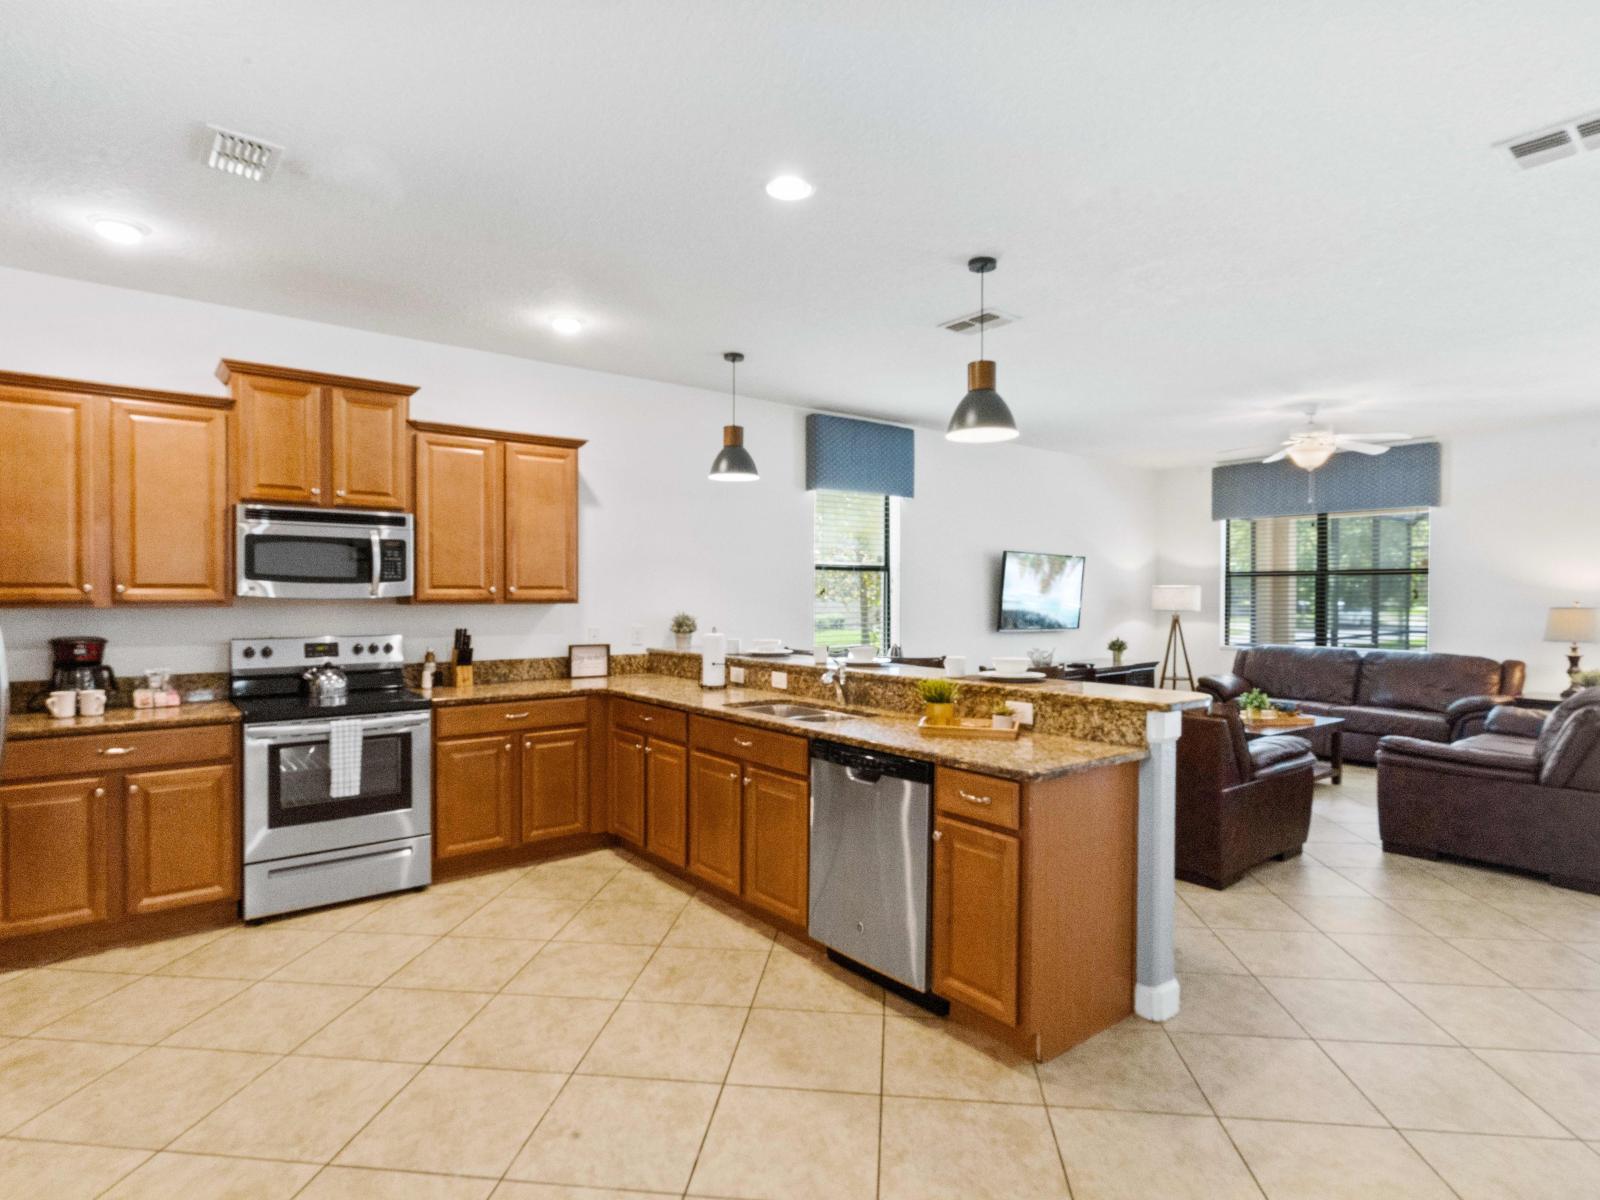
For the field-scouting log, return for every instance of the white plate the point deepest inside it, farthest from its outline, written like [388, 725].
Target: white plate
[766, 653]
[1007, 677]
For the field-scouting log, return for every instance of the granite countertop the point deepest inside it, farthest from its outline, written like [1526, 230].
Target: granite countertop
[22, 726]
[1031, 756]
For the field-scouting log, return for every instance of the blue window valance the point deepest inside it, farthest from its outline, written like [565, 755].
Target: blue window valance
[847, 455]
[1404, 477]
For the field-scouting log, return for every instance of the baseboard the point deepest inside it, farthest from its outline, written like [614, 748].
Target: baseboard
[1158, 1003]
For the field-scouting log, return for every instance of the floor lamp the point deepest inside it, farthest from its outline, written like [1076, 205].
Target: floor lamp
[1176, 598]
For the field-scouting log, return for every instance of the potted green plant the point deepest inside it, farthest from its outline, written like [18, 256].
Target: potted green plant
[1586, 679]
[1255, 704]
[1001, 716]
[938, 700]
[683, 627]
[1117, 647]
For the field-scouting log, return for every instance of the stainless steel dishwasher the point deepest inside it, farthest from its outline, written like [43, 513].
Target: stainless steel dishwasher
[871, 823]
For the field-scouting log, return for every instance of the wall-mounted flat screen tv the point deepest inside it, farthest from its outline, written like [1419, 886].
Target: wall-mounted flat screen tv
[1040, 592]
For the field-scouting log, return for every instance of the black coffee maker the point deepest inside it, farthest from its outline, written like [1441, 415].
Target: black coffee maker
[77, 665]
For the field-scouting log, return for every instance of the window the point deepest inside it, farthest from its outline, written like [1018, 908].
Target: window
[1334, 579]
[851, 555]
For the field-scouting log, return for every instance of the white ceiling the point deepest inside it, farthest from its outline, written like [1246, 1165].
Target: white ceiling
[1204, 213]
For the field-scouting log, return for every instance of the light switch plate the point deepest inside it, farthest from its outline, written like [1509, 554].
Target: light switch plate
[735, 674]
[780, 680]
[1022, 710]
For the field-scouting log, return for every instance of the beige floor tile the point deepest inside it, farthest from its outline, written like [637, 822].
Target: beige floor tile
[1295, 955]
[571, 887]
[248, 954]
[942, 1060]
[1440, 1088]
[145, 1011]
[1567, 1086]
[770, 1144]
[525, 920]
[1328, 1162]
[617, 923]
[34, 999]
[677, 974]
[364, 1183]
[1415, 959]
[169, 1176]
[581, 969]
[1135, 1156]
[1397, 879]
[642, 1134]
[956, 1150]
[836, 1052]
[487, 884]
[1579, 1007]
[1123, 1068]
[1533, 964]
[269, 1016]
[666, 1041]
[1232, 910]
[143, 958]
[636, 886]
[455, 1120]
[396, 1025]
[1274, 1078]
[793, 979]
[302, 1109]
[1499, 1017]
[355, 958]
[1506, 1168]
[421, 912]
[51, 1171]
[529, 1033]
[334, 918]
[462, 964]
[1465, 919]
[37, 1074]
[708, 924]
[1303, 876]
[512, 1190]
[1230, 1004]
[1355, 1009]
[1355, 914]
[1201, 952]
[1342, 854]
[1551, 915]
[148, 1100]
[1184, 916]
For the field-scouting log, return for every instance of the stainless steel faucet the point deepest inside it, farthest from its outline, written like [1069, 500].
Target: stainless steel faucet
[835, 675]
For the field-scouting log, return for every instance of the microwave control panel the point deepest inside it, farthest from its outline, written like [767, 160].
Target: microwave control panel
[392, 562]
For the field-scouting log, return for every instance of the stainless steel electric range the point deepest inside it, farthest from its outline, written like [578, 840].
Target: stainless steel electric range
[338, 777]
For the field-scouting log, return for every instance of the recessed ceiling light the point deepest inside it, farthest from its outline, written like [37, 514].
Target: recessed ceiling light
[789, 187]
[122, 233]
[566, 325]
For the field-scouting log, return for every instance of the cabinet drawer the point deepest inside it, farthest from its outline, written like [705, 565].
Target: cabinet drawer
[72, 754]
[467, 719]
[651, 719]
[780, 751]
[978, 797]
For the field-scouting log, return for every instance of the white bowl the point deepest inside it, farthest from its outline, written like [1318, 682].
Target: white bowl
[766, 645]
[1011, 664]
[862, 654]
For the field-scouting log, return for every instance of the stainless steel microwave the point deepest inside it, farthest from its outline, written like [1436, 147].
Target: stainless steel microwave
[323, 554]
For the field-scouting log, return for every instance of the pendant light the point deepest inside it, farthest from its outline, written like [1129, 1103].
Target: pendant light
[733, 464]
[981, 416]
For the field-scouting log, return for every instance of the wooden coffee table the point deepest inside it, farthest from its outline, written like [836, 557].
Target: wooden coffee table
[1326, 735]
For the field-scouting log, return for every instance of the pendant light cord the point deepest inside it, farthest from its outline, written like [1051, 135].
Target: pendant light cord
[982, 312]
[733, 393]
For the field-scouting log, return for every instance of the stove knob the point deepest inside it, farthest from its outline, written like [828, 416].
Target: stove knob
[249, 651]
[266, 652]
[357, 648]
[388, 647]
[372, 647]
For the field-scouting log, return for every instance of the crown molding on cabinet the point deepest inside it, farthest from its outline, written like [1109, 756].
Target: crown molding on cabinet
[229, 367]
[82, 387]
[498, 434]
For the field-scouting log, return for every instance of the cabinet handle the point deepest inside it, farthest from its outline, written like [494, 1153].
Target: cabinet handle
[515, 716]
[338, 491]
[88, 587]
[316, 491]
[733, 774]
[491, 589]
[968, 796]
[99, 791]
[114, 751]
[508, 745]
[937, 834]
[647, 749]
[645, 718]
[738, 741]
[132, 788]
[121, 587]
[512, 589]
[748, 781]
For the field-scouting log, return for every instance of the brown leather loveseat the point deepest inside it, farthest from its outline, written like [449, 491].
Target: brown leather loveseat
[1435, 697]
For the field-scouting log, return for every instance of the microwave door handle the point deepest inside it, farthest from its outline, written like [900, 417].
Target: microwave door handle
[377, 547]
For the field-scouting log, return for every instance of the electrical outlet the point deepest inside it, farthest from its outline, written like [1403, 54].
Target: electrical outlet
[636, 635]
[592, 633]
[1023, 711]
[735, 674]
[780, 680]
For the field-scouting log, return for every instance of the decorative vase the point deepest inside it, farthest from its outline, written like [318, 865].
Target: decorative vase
[1003, 721]
[681, 640]
[939, 714]
[1116, 658]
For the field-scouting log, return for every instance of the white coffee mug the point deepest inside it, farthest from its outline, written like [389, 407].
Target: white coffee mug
[955, 665]
[863, 653]
[1011, 664]
[92, 702]
[62, 704]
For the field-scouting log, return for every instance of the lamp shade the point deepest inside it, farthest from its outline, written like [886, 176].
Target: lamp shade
[1572, 624]
[1175, 597]
[982, 416]
[733, 463]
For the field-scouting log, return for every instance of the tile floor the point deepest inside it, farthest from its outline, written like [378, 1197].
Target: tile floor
[1353, 1024]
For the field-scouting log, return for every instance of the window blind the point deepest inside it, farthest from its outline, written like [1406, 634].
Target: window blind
[851, 557]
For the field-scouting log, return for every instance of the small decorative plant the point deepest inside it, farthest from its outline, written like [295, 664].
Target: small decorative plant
[1000, 715]
[1255, 701]
[683, 627]
[1586, 679]
[938, 700]
[1117, 647]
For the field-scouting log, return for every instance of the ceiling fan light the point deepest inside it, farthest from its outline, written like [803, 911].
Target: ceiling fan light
[982, 416]
[1308, 456]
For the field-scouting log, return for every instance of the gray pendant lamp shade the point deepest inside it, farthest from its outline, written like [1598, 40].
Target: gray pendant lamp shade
[982, 416]
[733, 464]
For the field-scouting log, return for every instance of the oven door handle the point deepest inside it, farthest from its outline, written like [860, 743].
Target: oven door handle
[377, 551]
[304, 729]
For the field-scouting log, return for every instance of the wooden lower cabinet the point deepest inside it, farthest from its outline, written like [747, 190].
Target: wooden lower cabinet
[667, 800]
[976, 901]
[474, 795]
[55, 862]
[555, 783]
[715, 818]
[628, 786]
[182, 837]
[777, 837]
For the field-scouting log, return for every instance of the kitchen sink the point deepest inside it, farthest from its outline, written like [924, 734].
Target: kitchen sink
[809, 713]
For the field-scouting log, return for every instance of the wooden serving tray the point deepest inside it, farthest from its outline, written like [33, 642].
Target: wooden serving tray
[1279, 719]
[969, 728]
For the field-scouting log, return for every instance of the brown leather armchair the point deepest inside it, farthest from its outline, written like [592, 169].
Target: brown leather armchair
[1240, 802]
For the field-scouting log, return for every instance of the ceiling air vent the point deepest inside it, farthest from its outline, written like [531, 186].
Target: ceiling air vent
[1589, 133]
[1562, 140]
[242, 155]
[972, 322]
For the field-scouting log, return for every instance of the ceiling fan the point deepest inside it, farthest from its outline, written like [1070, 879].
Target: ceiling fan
[1311, 447]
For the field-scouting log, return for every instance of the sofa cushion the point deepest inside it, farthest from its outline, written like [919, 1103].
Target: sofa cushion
[1407, 721]
[1301, 672]
[1564, 712]
[1517, 722]
[1488, 751]
[1408, 679]
[1277, 751]
[1573, 759]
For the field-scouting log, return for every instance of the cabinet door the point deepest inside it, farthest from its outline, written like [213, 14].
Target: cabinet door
[169, 503]
[714, 809]
[53, 855]
[369, 467]
[975, 915]
[47, 497]
[278, 439]
[459, 513]
[777, 837]
[555, 783]
[666, 798]
[474, 795]
[627, 786]
[541, 522]
[182, 837]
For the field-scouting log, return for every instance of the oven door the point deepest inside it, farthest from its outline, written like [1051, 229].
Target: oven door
[290, 554]
[289, 807]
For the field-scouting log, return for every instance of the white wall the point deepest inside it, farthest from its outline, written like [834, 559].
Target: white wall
[655, 535]
[1517, 533]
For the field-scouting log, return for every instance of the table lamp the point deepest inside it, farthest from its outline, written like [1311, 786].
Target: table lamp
[1175, 598]
[1573, 624]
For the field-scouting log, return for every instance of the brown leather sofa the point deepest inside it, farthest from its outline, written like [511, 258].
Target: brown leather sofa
[1240, 802]
[1435, 697]
[1525, 793]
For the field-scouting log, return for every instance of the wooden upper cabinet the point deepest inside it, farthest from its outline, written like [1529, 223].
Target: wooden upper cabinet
[278, 439]
[459, 513]
[976, 897]
[777, 838]
[169, 503]
[555, 783]
[182, 839]
[369, 454]
[48, 449]
[541, 522]
[54, 854]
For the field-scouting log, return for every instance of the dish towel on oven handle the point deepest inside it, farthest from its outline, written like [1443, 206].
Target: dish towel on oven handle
[344, 758]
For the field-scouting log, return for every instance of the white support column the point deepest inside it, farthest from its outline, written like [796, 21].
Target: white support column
[1155, 993]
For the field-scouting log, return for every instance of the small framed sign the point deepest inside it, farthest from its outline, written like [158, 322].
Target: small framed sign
[588, 662]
